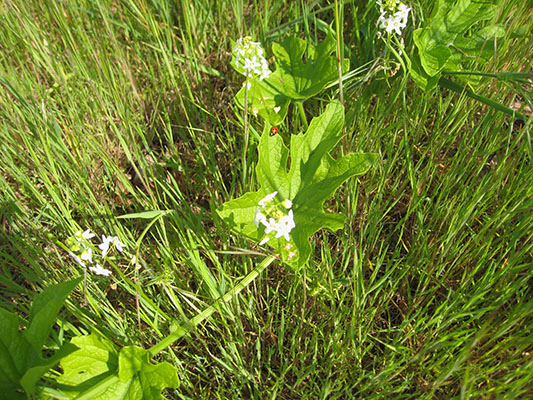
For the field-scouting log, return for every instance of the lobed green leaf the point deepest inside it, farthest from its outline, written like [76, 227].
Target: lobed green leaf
[313, 177]
[302, 71]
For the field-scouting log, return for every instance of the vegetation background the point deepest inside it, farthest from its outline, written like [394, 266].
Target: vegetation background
[113, 107]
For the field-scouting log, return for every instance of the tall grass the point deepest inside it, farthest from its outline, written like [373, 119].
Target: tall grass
[109, 108]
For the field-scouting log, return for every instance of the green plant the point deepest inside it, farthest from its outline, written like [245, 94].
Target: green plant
[453, 40]
[452, 37]
[113, 108]
[97, 370]
[22, 364]
[313, 177]
[302, 71]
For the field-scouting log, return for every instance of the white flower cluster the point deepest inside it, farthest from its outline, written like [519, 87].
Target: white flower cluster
[81, 244]
[275, 218]
[394, 16]
[249, 58]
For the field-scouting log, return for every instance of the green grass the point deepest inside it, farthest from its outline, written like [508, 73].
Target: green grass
[110, 108]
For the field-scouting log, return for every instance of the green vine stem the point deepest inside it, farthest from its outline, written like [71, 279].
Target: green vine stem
[302, 114]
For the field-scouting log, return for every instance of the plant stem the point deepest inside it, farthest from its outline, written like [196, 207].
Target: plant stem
[246, 134]
[183, 329]
[85, 302]
[302, 114]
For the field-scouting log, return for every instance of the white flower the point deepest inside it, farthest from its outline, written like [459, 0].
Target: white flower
[108, 240]
[77, 259]
[396, 25]
[98, 270]
[393, 17]
[276, 109]
[287, 203]
[87, 255]
[403, 9]
[249, 58]
[250, 64]
[275, 219]
[118, 245]
[104, 246]
[87, 234]
[267, 199]
[81, 236]
[285, 225]
[270, 225]
[259, 218]
[265, 72]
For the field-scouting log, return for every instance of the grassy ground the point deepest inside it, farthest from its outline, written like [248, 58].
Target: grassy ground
[117, 107]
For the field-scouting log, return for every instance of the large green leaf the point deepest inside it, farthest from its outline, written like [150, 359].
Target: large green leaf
[313, 177]
[302, 71]
[145, 379]
[33, 374]
[95, 359]
[97, 370]
[447, 40]
[265, 99]
[21, 362]
[44, 310]
[14, 351]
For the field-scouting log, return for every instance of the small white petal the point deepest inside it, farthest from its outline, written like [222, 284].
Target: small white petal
[270, 225]
[98, 270]
[264, 74]
[104, 246]
[248, 64]
[259, 218]
[118, 244]
[287, 203]
[87, 255]
[77, 259]
[285, 225]
[268, 198]
[87, 234]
